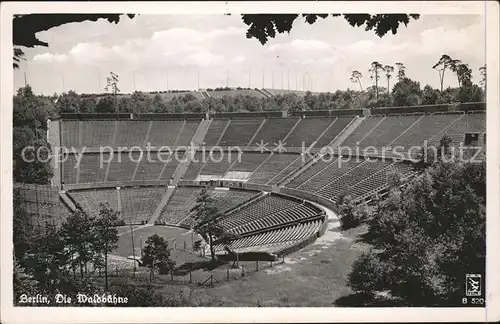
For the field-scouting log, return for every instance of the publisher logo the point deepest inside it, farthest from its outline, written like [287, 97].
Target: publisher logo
[473, 284]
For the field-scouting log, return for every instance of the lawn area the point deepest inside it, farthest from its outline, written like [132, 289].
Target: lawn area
[313, 277]
[141, 235]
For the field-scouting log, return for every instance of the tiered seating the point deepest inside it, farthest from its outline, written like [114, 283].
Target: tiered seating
[214, 132]
[89, 200]
[187, 133]
[149, 170]
[227, 199]
[274, 130]
[266, 206]
[218, 163]
[390, 128]
[284, 92]
[164, 132]
[70, 130]
[122, 166]
[131, 133]
[91, 169]
[42, 205]
[289, 170]
[179, 205]
[274, 165]
[139, 204]
[428, 127]
[311, 171]
[234, 93]
[329, 174]
[249, 161]
[470, 123]
[274, 241]
[361, 172]
[333, 131]
[240, 131]
[170, 166]
[308, 130]
[362, 130]
[379, 180]
[97, 133]
[278, 218]
[167, 96]
[194, 167]
[69, 170]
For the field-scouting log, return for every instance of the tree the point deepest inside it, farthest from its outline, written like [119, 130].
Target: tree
[26, 27]
[375, 69]
[18, 56]
[88, 105]
[46, 260]
[366, 275]
[429, 233]
[445, 63]
[429, 95]
[262, 27]
[28, 167]
[265, 26]
[482, 71]
[207, 217]
[23, 283]
[470, 92]
[406, 93]
[112, 87]
[68, 103]
[351, 214]
[105, 105]
[464, 74]
[401, 71]
[388, 69]
[80, 237]
[106, 236]
[356, 76]
[156, 254]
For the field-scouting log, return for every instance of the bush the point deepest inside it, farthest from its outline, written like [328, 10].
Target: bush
[352, 215]
[366, 274]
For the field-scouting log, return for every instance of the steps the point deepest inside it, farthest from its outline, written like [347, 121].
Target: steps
[346, 132]
[264, 92]
[67, 201]
[197, 139]
[164, 200]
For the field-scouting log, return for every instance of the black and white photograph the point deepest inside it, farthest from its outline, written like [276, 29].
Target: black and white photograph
[269, 156]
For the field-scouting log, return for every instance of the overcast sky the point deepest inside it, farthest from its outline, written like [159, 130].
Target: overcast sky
[80, 55]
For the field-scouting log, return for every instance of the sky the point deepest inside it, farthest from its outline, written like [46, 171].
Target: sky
[160, 52]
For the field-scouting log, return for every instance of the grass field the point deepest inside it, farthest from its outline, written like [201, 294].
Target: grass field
[141, 235]
[315, 276]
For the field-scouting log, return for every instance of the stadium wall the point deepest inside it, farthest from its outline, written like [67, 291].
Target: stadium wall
[54, 139]
[309, 196]
[469, 106]
[320, 113]
[265, 114]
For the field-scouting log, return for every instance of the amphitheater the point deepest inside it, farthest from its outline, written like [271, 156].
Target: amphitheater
[273, 197]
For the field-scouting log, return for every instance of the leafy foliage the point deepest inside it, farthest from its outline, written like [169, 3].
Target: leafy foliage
[375, 70]
[406, 93]
[266, 26]
[352, 214]
[156, 254]
[429, 234]
[207, 217]
[367, 275]
[445, 63]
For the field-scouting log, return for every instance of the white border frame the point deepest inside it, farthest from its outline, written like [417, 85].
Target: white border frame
[12, 314]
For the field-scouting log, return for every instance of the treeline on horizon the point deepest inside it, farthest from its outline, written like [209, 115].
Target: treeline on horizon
[404, 92]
